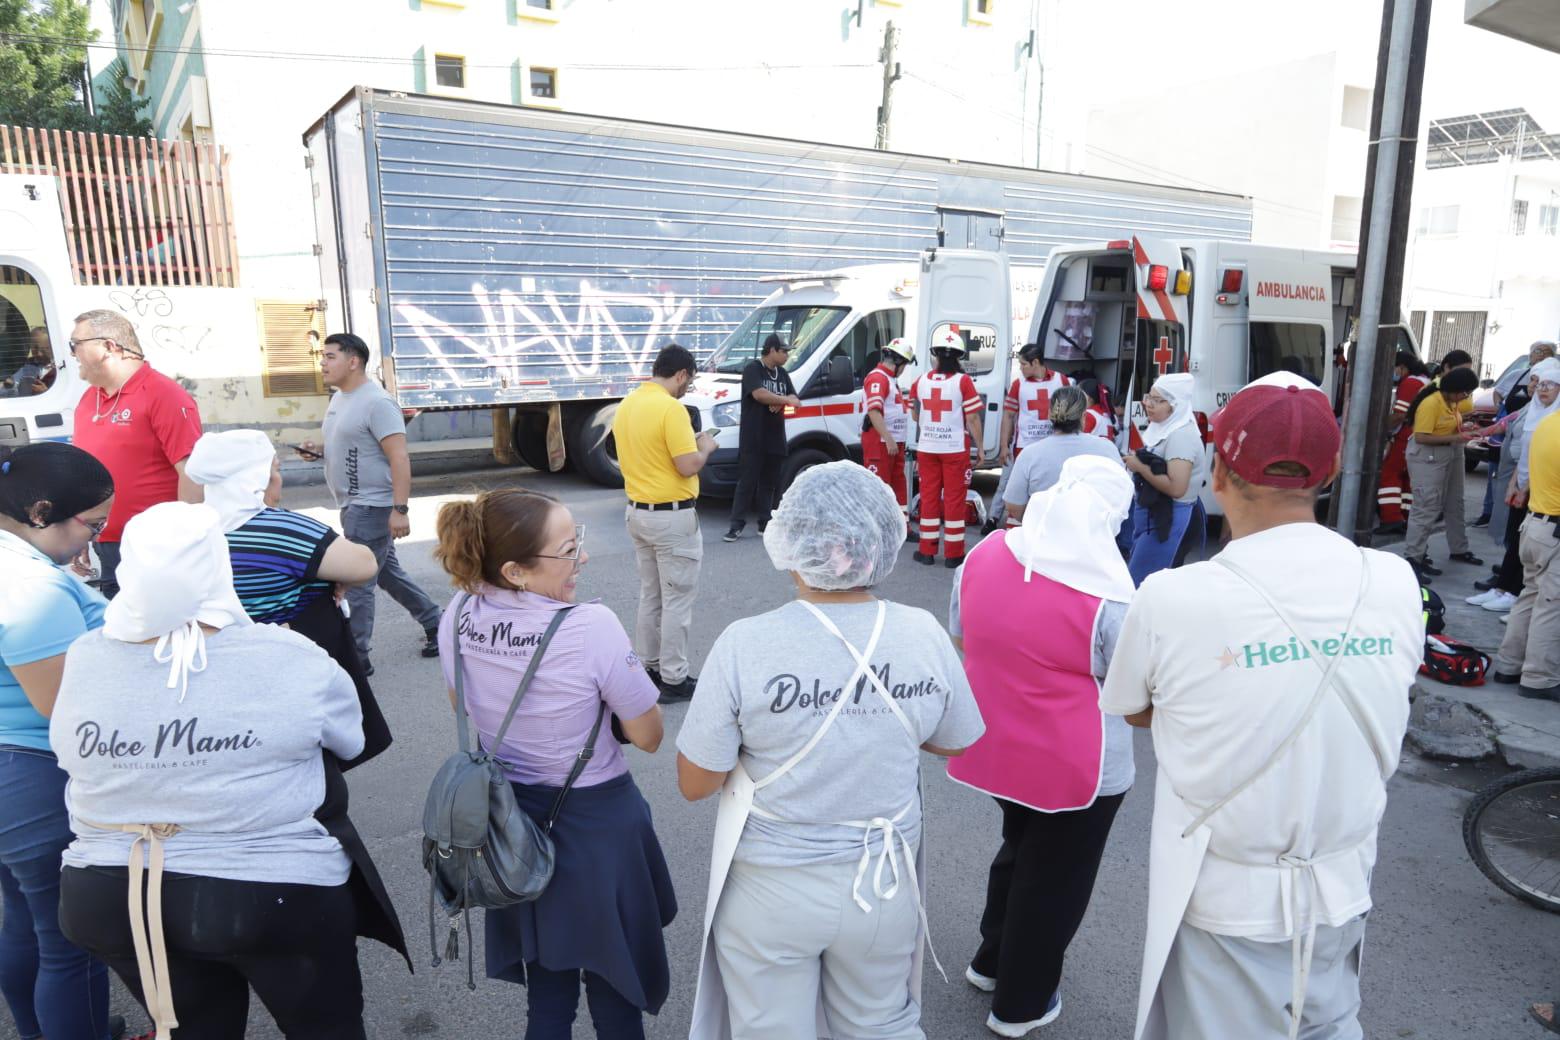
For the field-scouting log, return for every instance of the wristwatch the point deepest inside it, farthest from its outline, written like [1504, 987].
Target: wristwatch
[402, 508]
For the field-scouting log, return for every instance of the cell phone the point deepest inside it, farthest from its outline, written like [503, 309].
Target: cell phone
[711, 430]
[305, 452]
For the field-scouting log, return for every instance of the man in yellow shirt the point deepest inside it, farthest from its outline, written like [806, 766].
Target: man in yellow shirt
[661, 459]
[1530, 653]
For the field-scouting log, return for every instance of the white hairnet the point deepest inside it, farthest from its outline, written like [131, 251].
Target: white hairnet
[1069, 529]
[235, 469]
[838, 527]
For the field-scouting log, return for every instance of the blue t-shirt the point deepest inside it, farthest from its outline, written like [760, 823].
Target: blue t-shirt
[42, 611]
[276, 564]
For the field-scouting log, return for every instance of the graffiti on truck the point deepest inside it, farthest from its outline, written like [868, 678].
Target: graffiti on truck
[515, 327]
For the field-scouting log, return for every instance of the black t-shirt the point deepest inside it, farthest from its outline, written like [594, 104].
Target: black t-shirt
[763, 430]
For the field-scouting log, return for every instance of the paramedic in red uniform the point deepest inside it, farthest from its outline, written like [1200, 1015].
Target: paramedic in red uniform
[1026, 416]
[135, 421]
[1393, 495]
[947, 414]
[888, 419]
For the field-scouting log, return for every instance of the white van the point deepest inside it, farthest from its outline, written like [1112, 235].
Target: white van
[837, 322]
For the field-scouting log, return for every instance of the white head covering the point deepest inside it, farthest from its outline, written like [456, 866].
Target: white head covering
[1069, 529]
[235, 468]
[1547, 371]
[838, 526]
[174, 576]
[1177, 389]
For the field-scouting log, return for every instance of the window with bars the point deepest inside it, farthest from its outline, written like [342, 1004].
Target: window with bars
[1519, 208]
[1549, 220]
[544, 83]
[449, 70]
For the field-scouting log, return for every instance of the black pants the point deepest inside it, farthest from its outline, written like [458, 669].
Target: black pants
[293, 943]
[1509, 578]
[1036, 896]
[758, 481]
[108, 568]
[553, 997]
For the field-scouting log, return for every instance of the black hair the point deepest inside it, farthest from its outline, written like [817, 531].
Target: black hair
[1454, 358]
[673, 359]
[773, 342]
[1031, 353]
[1458, 381]
[350, 343]
[1409, 360]
[50, 482]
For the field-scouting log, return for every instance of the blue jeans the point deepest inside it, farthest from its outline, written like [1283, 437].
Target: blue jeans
[553, 997]
[1149, 554]
[52, 988]
[370, 526]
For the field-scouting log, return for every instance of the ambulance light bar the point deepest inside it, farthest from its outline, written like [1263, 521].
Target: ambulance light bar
[1119, 243]
[794, 277]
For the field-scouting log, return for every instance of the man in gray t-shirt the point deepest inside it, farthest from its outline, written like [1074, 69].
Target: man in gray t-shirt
[369, 475]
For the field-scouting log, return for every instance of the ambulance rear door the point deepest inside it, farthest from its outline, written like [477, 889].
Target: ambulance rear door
[966, 291]
[1289, 309]
[1163, 316]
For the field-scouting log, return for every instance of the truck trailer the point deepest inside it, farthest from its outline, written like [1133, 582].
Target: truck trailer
[534, 262]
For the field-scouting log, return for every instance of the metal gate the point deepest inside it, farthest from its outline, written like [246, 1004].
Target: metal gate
[1458, 330]
[970, 229]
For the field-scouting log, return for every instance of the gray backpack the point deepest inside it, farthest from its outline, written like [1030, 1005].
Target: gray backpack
[481, 850]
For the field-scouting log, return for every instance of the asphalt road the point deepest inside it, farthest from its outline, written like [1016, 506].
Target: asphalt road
[1448, 955]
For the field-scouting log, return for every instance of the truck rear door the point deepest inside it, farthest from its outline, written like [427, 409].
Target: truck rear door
[1163, 313]
[966, 291]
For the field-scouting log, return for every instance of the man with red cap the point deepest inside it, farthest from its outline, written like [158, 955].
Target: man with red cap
[1275, 681]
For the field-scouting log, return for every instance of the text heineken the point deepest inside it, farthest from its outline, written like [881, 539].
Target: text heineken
[1260, 655]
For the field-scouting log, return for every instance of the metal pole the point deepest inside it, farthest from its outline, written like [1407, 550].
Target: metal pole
[890, 74]
[1350, 487]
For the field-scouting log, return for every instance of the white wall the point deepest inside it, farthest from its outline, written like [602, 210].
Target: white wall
[964, 92]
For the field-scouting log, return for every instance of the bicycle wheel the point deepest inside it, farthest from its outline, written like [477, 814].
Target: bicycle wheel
[1512, 830]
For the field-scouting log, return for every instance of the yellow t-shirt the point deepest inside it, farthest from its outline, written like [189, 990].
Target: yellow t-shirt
[651, 428]
[1544, 467]
[1435, 417]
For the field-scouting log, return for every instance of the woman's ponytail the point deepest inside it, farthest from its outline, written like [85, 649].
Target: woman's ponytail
[478, 536]
[460, 550]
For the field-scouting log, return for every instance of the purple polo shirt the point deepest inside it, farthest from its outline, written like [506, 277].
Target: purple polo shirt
[589, 661]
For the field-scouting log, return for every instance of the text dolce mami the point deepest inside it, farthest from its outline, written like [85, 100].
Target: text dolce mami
[177, 742]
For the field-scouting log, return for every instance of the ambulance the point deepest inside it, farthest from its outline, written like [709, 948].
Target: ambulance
[837, 322]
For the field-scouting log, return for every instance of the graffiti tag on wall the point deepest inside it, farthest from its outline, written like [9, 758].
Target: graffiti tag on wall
[514, 329]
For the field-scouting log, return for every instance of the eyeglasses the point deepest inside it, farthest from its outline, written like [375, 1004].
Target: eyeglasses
[95, 526]
[1547, 386]
[90, 339]
[1154, 399]
[579, 547]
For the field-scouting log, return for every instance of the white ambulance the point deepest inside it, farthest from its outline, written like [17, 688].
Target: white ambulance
[837, 323]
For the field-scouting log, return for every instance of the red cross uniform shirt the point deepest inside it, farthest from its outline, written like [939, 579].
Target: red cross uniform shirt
[1098, 422]
[944, 401]
[138, 433]
[1407, 389]
[1030, 401]
[883, 394]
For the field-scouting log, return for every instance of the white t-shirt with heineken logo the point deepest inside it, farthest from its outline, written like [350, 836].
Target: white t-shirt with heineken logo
[1228, 681]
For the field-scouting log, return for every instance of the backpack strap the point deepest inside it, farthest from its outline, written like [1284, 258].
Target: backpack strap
[580, 762]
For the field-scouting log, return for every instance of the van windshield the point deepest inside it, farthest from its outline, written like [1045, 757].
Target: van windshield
[804, 328]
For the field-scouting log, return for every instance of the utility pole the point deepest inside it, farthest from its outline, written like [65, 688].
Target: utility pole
[890, 76]
[1384, 223]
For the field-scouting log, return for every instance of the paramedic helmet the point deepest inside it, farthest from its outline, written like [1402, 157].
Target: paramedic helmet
[837, 527]
[899, 348]
[949, 342]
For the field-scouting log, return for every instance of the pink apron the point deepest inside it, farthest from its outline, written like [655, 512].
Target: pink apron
[1028, 655]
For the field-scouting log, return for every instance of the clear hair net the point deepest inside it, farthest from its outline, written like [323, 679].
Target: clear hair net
[838, 527]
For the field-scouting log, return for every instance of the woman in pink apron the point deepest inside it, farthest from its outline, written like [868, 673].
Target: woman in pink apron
[809, 721]
[1056, 766]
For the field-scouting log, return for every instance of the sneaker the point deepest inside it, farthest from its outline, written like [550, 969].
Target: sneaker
[1467, 557]
[1506, 678]
[1487, 585]
[1391, 529]
[116, 1027]
[984, 983]
[1422, 565]
[732, 533]
[1483, 521]
[678, 692]
[1499, 600]
[1547, 693]
[1053, 1011]
[655, 676]
[1479, 599]
[953, 562]
[431, 643]
[926, 558]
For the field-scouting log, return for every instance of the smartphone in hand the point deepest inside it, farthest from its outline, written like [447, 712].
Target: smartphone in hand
[307, 453]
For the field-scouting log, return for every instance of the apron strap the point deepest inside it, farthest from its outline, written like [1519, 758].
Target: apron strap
[146, 917]
[861, 666]
[863, 659]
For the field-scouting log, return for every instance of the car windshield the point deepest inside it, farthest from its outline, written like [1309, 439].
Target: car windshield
[804, 328]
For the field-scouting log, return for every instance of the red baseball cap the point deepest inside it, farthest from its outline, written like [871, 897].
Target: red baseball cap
[1278, 418]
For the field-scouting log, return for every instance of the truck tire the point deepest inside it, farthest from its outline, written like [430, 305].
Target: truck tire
[798, 462]
[587, 433]
[529, 437]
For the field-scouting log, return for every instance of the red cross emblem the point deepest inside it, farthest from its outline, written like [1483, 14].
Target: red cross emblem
[1040, 404]
[937, 405]
[1163, 355]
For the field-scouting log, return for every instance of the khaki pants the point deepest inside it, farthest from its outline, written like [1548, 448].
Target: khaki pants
[1435, 472]
[668, 546]
[1532, 644]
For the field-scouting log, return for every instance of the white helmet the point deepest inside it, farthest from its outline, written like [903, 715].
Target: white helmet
[900, 348]
[949, 341]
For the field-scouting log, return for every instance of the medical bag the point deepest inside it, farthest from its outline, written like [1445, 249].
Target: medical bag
[1454, 662]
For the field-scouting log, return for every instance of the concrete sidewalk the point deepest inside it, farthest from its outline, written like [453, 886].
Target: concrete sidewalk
[428, 458]
[1471, 722]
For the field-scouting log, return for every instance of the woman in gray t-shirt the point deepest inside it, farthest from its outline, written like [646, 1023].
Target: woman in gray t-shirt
[816, 895]
[1167, 512]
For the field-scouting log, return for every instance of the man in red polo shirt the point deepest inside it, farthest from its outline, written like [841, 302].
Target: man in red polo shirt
[134, 420]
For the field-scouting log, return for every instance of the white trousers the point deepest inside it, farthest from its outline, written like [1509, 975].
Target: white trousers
[785, 935]
[1219, 987]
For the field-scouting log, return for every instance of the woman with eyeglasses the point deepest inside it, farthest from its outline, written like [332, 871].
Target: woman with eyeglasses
[1435, 468]
[516, 556]
[1169, 472]
[54, 499]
